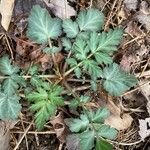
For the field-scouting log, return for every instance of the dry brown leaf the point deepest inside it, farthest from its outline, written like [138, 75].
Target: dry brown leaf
[72, 142]
[144, 15]
[123, 122]
[5, 127]
[131, 4]
[133, 29]
[144, 126]
[145, 88]
[6, 9]
[59, 126]
[61, 8]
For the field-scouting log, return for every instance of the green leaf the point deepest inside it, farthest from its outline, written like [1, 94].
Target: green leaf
[93, 41]
[74, 104]
[93, 85]
[70, 28]
[87, 140]
[10, 86]
[45, 101]
[37, 96]
[78, 72]
[84, 99]
[66, 43]
[93, 68]
[107, 132]
[108, 41]
[33, 70]
[99, 116]
[6, 68]
[41, 26]
[83, 35]
[81, 49]
[103, 145]
[45, 110]
[76, 125]
[9, 106]
[116, 81]
[103, 58]
[90, 20]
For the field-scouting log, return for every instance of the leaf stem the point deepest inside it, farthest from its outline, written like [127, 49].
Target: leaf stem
[79, 64]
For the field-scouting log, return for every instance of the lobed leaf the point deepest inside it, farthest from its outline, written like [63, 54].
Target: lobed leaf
[6, 68]
[107, 132]
[93, 69]
[70, 28]
[9, 106]
[76, 125]
[41, 26]
[90, 20]
[108, 41]
[10, 86]
[116, 81]
[99, 116]
[66, 43]
[87, 140]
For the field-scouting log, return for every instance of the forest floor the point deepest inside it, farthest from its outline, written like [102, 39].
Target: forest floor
[130, 111]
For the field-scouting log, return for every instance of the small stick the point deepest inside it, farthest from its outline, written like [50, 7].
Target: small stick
[27, 129]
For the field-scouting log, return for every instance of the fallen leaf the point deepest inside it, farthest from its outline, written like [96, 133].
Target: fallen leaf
[131, 4]
[59, 127]
[72, 142]
[6, 9]
[133, 29]
[144, 15]
[144, 126]
[5, 127]
[61, 8]
[123, 122]
[145, 88]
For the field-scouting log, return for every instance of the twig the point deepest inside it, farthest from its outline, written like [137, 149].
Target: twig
[10, 49]
[28, 77]
[34, 132]
[27, 129]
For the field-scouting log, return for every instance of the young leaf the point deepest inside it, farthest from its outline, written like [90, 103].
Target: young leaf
[6, 68]
[41, 26]
[70, 28]
[116, 81]
[66, 43]
[90, 20]
[44, 111]
[9, 106]
[76, 125]
[38, 96]
[99, 116]
[45, 102]
[103, 145]
[87, 140]
[107, 132]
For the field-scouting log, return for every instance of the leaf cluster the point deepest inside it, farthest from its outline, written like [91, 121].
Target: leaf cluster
[90, 127]
[45, 100]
